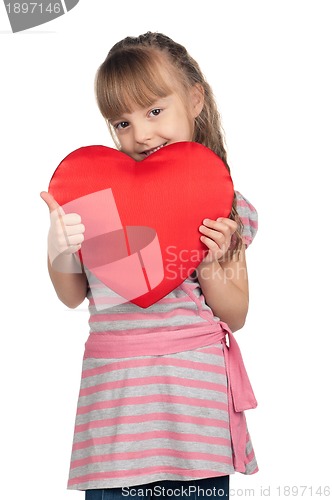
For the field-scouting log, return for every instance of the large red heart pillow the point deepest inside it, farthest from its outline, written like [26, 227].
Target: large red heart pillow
[141, 218]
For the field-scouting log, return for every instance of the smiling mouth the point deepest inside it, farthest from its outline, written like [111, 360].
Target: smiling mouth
[149, 152]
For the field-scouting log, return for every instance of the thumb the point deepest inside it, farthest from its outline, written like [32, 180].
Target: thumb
[51, 202]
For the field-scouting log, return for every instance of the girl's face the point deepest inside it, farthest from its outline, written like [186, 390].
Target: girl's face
[145, 130]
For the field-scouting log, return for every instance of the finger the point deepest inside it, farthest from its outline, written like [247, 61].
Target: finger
[216, 236]
[229, 222]
[215, 252]
[75, 229]
[51, 202]
[67, 221]
[211, 244]
[71, 219]
[221, 224]
[75, 239]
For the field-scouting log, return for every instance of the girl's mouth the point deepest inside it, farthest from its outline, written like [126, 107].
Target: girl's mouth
[153, 150]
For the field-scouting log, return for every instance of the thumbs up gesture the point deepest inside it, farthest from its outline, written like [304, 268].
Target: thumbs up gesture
[65, 236]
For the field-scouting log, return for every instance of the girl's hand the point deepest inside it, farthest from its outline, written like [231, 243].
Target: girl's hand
[217, 235]
[65, 235]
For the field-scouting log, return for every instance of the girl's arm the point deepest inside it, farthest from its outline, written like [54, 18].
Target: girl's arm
[224, 282]
[71, 288]
[64, 240]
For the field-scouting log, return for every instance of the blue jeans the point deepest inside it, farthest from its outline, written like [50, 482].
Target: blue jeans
[198, 489]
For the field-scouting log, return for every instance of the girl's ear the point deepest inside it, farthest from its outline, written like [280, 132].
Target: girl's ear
[197, 99]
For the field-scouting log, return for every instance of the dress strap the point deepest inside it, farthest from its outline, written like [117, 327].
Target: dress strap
[240, 397]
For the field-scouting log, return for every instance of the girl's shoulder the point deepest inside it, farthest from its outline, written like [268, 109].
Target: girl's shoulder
[248, 214]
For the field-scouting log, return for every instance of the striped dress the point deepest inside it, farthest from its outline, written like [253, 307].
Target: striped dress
[148, 418]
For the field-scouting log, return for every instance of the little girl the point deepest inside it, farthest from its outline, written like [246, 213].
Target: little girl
[168, 423]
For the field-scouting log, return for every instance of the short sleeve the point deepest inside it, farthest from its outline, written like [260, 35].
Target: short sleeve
[249, 217]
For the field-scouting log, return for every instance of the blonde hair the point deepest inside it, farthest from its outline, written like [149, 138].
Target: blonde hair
[137, 70]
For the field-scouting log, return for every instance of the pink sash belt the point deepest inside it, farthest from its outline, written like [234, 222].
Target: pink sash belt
[240, 394]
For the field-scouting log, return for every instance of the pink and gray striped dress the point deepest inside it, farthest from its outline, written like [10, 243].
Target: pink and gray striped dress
[151, 417]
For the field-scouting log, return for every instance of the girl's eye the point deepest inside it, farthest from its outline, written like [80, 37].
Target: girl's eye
[156, 112]
[121, 125]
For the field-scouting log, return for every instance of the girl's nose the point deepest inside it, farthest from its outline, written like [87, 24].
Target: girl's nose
[142, 133]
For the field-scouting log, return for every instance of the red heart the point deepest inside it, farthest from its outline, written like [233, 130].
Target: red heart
[142, 218]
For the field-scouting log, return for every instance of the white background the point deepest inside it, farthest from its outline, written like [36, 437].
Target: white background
[269, 63]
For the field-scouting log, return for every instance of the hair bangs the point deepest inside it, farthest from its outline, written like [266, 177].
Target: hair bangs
[132, 78]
